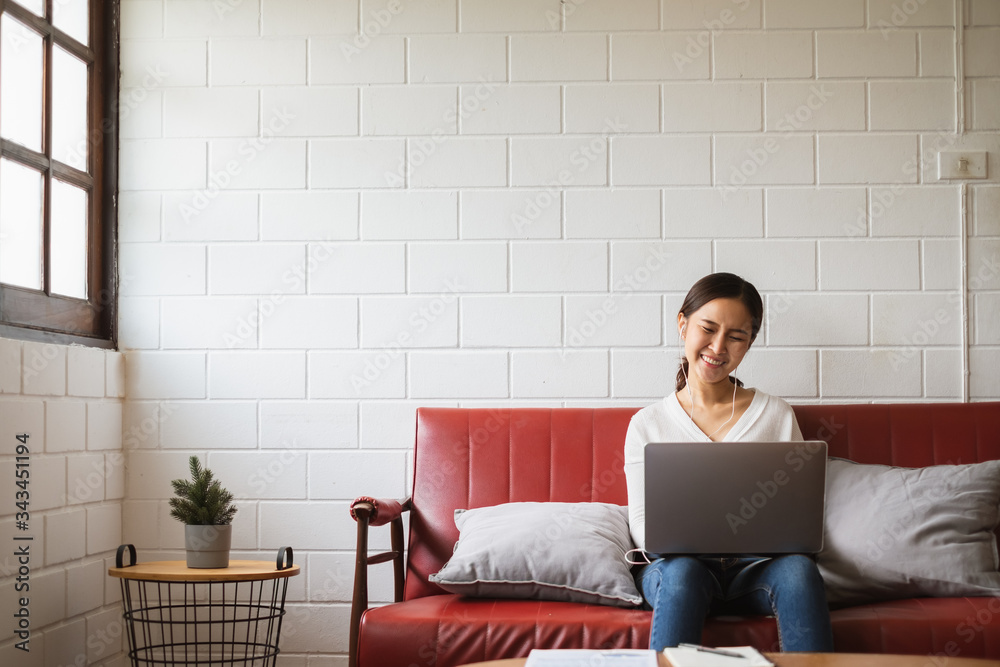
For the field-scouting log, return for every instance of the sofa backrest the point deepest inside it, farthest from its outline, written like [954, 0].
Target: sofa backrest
[476, 457]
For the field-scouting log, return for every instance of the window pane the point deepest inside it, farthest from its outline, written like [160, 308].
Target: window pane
[69, 109]
[20, 84]
[36, 7]
[69, 240]
[20, 225]
[70, 16]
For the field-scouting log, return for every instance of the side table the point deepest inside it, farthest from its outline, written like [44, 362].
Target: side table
[176, 615]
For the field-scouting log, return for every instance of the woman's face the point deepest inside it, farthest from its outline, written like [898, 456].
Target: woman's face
[716, 337]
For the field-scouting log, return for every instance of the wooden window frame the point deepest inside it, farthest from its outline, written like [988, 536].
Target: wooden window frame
[40, 315]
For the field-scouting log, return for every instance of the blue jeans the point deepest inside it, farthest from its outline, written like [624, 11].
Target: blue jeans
[682, 590]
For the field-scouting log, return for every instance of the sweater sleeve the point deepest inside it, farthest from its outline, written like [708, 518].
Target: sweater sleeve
[635, 481]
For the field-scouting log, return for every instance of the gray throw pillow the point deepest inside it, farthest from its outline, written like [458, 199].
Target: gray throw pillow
[547, 551]
[910, 532]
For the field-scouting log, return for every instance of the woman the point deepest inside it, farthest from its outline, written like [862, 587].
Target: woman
[717, 323]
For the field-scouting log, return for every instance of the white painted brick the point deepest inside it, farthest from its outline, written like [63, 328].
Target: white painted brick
[868, 158]
[257, 375]
[104, 528]
[983, 383]
[557, 374]
[150, 473]
[812, 320]
[219, 216]
[912, 105]
[210, 112]
[309, 322]
[409, 215]
[162, 164]
[984, 264]
[763, 159]
[114, 374]
[711, 14]
[510, 214]
[154, 64]
[260, 475]
[711, 107]
[634, 107]
[357, 163]
[787, 373]
[106, 626]
[360, 268]
[138, 217]
[661, 161]
[604, 15]
[714, 213]
[248, 62]
[866, 54]
[43, 369]
[65, 426]
[875, 265]
[84, 371]
[453, 58]
[922, 211]
[827, 105]
[986, 203]
[48, 473]
[511, 321]
[197, 18]
[256, 164]
[600, 214]
[564, 57]
[141, 521]
[613, 320]
[985, 12]
[449, 268]
[643, 373]
[138, 323]
[259, 268]
[321, 626]
[307, 17]
[85, 588]
[25, 416]
[941, 264]
[48, 598]
[770, 265]
[10, 366]
[510, 109]
[104, 426]
[815, 14]
[985, 308]
[986, 105]
[85, 478]
[154, 269]
[64, 645]
[65, 536]
[763, 55]
[916, 320]
[288, 523]
[347, 475]
[816, 212]
[458, 374]
[937, 52]
[142, 19]
[932, 142]
[391, 425]
[875, 373]
[982, 52]
[456, 162]
[331, 579]
[114, 471]
[568, 266]
[165, 375]
[407, 18]
[409, 110]
[314, 111]
[141, 112]
[368, 374]
[553, 161]
[403, 322]
[660, 56]
[511, 16]
[888, 15]
[362, 59]
[308, 425]
[658, 266]
[299, 216]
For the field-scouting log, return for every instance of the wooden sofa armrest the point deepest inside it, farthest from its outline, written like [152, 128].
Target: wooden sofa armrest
[375, 512]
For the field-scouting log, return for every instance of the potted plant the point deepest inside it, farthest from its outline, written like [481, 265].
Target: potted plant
[206, 510]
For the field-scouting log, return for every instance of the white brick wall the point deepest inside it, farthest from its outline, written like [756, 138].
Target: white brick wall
[473, 202]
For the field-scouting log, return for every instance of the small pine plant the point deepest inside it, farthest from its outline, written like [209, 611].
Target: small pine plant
[201, 501]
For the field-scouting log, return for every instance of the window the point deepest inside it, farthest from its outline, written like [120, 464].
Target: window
[58, 169]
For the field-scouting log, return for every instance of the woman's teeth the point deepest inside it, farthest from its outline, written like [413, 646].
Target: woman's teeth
[711, 362]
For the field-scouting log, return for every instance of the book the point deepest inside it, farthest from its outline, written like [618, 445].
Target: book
[691, 656]
[590, 657]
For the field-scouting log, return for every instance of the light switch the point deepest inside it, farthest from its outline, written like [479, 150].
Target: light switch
[961, 164]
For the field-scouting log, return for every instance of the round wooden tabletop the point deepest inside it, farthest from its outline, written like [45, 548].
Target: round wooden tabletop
[822, 660]
[177, 570]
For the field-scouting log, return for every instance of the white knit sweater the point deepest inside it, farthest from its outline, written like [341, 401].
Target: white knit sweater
[768, 418]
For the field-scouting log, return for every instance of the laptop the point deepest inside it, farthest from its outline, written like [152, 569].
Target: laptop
[735, 497]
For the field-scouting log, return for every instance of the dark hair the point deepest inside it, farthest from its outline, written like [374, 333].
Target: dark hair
[721, 286]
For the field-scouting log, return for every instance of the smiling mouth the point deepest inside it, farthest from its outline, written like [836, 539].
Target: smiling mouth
[712, 362]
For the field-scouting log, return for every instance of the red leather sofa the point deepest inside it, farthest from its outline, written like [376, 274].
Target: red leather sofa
[467, 458]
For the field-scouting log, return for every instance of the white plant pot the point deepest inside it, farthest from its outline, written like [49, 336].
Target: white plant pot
[208, 546]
